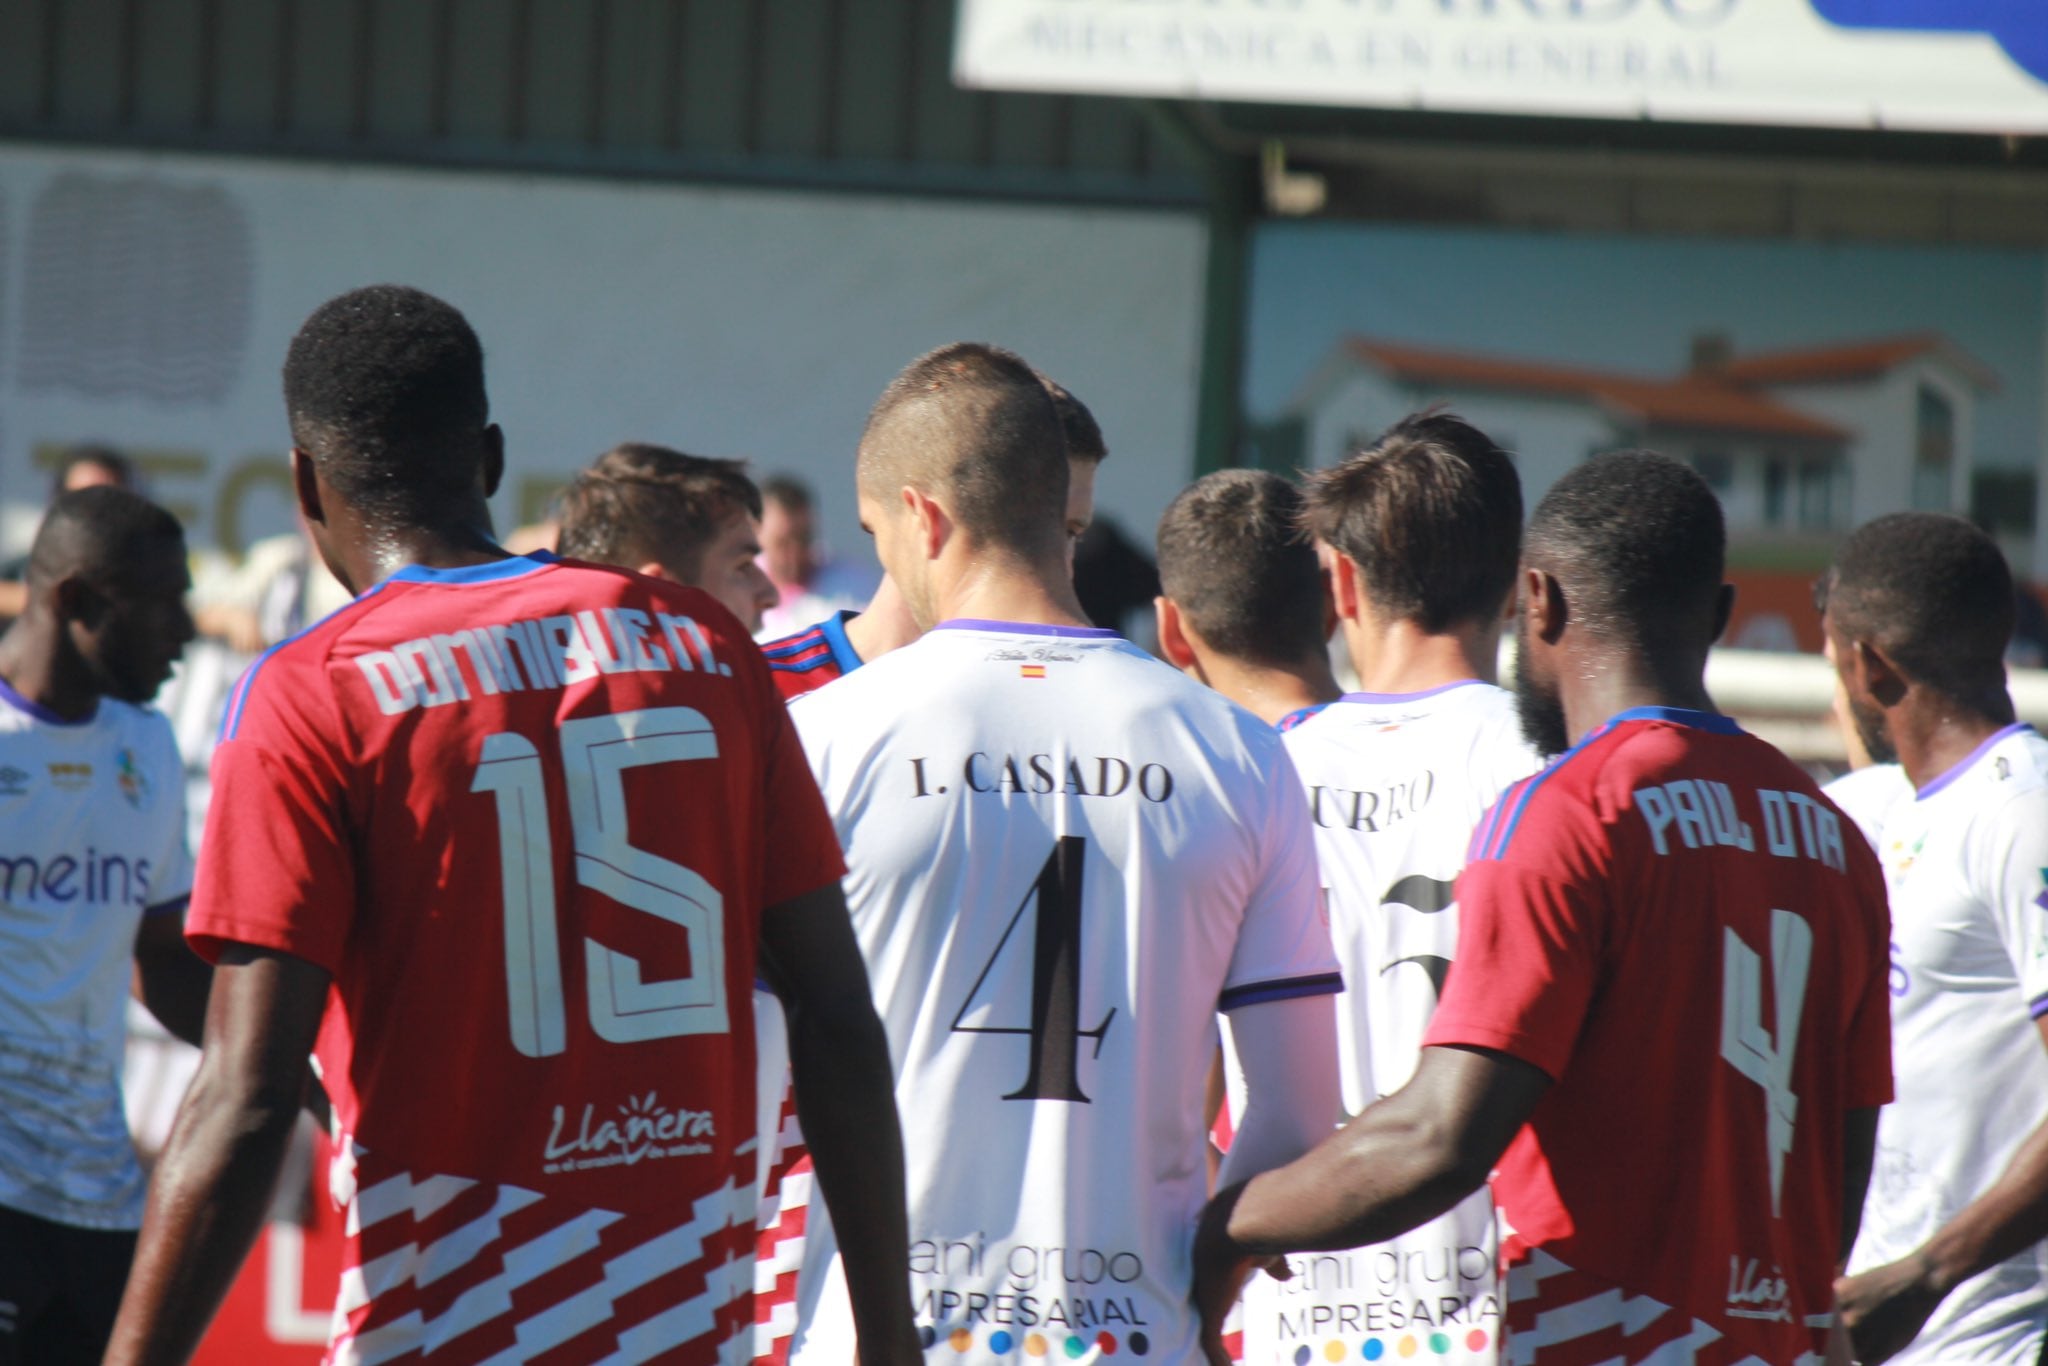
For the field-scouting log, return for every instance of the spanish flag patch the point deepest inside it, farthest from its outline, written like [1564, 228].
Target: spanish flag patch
[1031, 670]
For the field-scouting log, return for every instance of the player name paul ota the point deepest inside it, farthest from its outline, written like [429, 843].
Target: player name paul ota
[1096, 775]
[545, 652]
[1701, 814]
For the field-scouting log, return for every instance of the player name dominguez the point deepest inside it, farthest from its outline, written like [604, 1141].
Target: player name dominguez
[545, 652]
[1701, 814]
[1093, 776]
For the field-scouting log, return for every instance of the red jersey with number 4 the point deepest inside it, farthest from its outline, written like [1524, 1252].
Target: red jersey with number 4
[1677, 927]
[521, 813]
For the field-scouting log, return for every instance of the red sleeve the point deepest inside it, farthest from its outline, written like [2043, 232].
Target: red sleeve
[802, 851]
[1869, 1082]
[275, 866]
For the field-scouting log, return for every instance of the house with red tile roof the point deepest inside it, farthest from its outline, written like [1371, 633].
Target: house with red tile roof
[1810, 440]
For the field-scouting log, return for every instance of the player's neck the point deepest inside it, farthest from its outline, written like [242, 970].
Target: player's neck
[999, 591]
[370, 554]
[1405, 658]
[1933, 733]
[1600, 685]
[35, 664]
[1271, 692]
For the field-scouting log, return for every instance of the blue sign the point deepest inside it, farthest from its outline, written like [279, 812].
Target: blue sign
[2020, 26]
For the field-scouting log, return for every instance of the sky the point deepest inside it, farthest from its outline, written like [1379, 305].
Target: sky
[1634, 304]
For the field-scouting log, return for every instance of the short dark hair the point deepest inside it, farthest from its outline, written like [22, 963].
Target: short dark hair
[1431, 513]
[1234, 559]
[384, 387]
[102, 533]
[788, 492]
[1077, 424]
[640, 502]
[1638, 542]
[974, 422]
[93, 453]
[1932, 592]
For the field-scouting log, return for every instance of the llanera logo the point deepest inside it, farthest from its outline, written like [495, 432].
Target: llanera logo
[644, 1129]
[1755, 1295]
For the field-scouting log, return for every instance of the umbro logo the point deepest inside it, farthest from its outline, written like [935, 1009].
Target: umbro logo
[13, 781]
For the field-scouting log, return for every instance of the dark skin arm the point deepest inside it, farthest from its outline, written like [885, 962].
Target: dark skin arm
[1887, 1306]
[1859, 1154]
[171, 981]
[846, 1102]
[1401, 1162]
[213, 1183]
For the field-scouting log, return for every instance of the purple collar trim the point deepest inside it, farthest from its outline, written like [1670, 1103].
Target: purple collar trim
[41, 712]
[1386, 697]
[1027, 628]
[1949, 777]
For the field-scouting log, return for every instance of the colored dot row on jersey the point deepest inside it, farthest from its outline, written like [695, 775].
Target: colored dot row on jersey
[1040, 1346]
[1407, 1345]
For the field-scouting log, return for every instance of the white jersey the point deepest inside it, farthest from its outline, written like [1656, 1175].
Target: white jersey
[1868, 794]
[92, 838]
[1966, 865]
[1063, 859]
[1396, 783]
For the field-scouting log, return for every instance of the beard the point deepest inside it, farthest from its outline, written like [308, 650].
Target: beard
[1541, 708]
[1874, 731]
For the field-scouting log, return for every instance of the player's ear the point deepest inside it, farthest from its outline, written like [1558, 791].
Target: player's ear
[1345, 594]
[1545, 605]
[494, 459]
[306, 488]
[1724, 609]
[933, 525]
[1875, 674]
[1173, 640]
[655, 569]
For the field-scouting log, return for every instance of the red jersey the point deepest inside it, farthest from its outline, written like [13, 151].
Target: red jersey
[1677, 927]
[812, 657]
[520, 811]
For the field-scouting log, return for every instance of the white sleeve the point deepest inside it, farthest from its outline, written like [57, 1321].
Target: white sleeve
[1288, 1052]
[1283, 944]
[163, 779]
[2009, 871]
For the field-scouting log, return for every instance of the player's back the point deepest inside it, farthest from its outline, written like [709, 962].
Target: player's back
[527, 811]
[1063, 857]
[1711, 1005]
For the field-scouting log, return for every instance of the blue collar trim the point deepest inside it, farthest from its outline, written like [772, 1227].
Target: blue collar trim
[41, 712]
[1027, 628]
[1677, 716]
[1970, 762]
[1386, 697]
[492, 571]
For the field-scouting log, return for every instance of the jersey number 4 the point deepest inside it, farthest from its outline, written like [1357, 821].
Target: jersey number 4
[1055, 1029]
[1751, 1049]
[596, 750]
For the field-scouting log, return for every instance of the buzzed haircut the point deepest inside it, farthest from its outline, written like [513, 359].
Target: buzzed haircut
[974, 424]
[93, 453]
[1431, 513]
[1235, 560]
[787, 492]
[640, 503]
[1637, 541]
[101, 534]
[1083, 434]
[1933, 593]
[384, 387]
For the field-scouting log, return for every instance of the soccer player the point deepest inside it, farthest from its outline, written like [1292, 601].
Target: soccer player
[1419, 533]
[841, 642]
[1665, 1033]
[1242, 606]
[684, 518]
[445, 847]
[1063, 859]
[1951, 1265]
[94, 876]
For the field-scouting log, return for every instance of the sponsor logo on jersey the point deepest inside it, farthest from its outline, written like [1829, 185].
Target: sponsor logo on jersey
[1752, 1294]
[1348, 1295]
[134, 783]
[71, 777]
[14, 781]
[643, 1129]
[96, 878]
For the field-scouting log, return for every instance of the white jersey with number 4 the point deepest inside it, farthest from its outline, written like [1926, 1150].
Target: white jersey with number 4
[1396, 782]
[1063, 859]
[1966, 864]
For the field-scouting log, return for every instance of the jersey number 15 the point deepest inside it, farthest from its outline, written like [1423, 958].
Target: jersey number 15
[624, 1008]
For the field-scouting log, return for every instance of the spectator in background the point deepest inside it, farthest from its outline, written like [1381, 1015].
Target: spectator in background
[810, 584]
[685, 518]
[84, 466]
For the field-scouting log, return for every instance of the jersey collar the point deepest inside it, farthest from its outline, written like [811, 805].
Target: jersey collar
[41, 712]
[1383, 698]
[1970, 760]
[1027, 628]
[1678, 716]
[494, 571]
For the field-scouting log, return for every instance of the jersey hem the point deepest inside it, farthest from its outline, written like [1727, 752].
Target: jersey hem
[170, 907]
[208, 937]
[1512, 1042]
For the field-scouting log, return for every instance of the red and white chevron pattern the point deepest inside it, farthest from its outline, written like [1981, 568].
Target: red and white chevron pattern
[444, 1271]
[1561, 1317]
[779, 1240]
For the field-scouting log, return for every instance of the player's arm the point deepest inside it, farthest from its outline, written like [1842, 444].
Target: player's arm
[171, 981]
[1859, 1155]
[214, 1180]
[1288, 1051]
[846, 1102]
